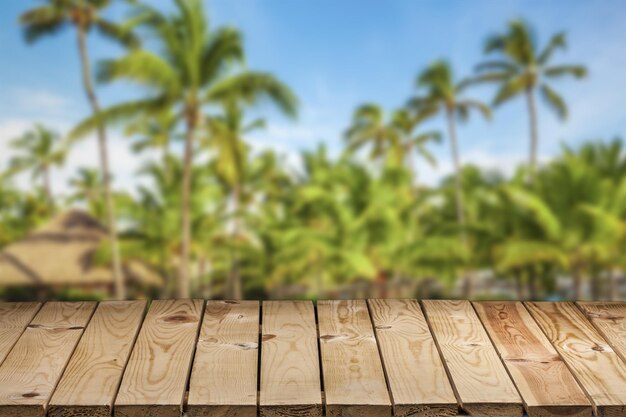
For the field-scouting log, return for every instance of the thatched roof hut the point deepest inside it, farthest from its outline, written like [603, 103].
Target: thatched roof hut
[60, 254]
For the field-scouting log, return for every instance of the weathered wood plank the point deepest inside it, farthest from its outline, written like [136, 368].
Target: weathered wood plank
[155, 378]
[354, 380]
[14, 317]
[224, 376]
[290, 373]
[478, 376]
[417, 378]
[32, 369]
[93, 375]
[546, 385]
[593, 362]
[610, 320]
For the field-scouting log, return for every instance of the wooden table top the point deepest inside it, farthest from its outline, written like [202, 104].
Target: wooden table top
[342, 358]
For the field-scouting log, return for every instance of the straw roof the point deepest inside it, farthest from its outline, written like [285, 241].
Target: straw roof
[60, 254]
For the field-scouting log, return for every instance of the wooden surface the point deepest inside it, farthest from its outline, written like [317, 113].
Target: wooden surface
[92, 377]
[30, 372]
[598, 369]
[478, 376]
[155, 378]
[547, 387]
[406, 345]
[355, 358]
[354, 381]
[610, 320]
[224, 376]
[14, 317]
[290, 375]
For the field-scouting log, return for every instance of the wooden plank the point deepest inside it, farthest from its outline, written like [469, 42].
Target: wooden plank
[417, 378]
[32, 369]
[14, 317]
[609, 317]
[290, 374]
[547, 387]
[478, 376]
[224, 376]
[595, 365]
[354, 381]
[155, 378]
[93, 375]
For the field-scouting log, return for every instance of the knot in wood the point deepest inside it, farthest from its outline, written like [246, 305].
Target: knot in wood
[178, 318]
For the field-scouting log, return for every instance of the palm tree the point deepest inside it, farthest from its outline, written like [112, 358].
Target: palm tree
[369, 128]
[394, 139]
[154, 131]
[85, 15]
[524, 68]
[442, 95]
[40, 150]
[412, 142]
[87, 187]
[192, 71]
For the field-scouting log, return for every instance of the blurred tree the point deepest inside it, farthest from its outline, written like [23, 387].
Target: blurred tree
[442, 95]
[191, 71]
[39, 149]
[85, 15]
[523, 69]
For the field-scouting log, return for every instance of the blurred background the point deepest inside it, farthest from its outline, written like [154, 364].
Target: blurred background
[274, 149]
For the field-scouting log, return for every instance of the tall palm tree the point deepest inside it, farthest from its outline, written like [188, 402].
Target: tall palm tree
[412, 141]
[85, 15]
[394, 139]
[524, 68]
[39, 149]
[226, 137]
[87, 187]
[443, 95]
[369, 128]
[192, 70]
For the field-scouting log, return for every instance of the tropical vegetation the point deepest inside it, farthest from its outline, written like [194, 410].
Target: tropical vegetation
[217, 218]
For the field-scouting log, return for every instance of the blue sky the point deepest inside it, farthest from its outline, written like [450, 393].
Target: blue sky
[337, 55]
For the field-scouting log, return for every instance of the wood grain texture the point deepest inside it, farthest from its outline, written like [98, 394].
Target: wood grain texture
[417, 378]
[598, 369]
[90, 382]
[14, 317]
[290, 372]
[32, 369]
[478, 376]
[155, 378]
[546, 385]
[224, 376]
[354, 380]
[610, 320]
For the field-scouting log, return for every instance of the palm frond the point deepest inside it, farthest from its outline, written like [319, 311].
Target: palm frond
[42, 21]
[225, 47]
[118, 114]
[558, 41]
[142, 67]
[576, 71]
[509, 90]
[117, 33]
[554, 101]
[250, 87]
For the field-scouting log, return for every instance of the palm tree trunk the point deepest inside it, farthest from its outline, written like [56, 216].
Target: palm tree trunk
[118, 278]
[185, 209]
[577, 282]
[612, 285]
[458, 191]
[235, 273]
[456, 161]
[534, 135]
[47, 187]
